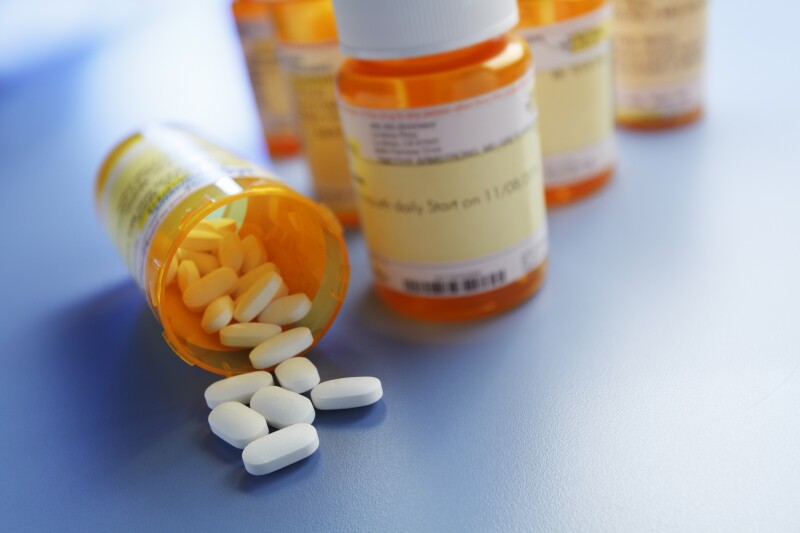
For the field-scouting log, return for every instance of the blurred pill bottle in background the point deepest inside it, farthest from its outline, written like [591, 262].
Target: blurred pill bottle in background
[257, 36]
[309, 56]
[159, 184]
[571, 45]
[441, 124]
[659, 48]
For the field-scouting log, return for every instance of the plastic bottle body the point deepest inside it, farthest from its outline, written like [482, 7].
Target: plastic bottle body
[659, 48]
[309, 56]
[446, 200]
[160, 183]
[571, 44]
[257, 36]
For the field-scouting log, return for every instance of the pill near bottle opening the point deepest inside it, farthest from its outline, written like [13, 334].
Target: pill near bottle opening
[281, 407]
[247, 335]
[202, 292]
[250, 303]
[346, 393]
[206, 263]
[218, 314]
[297, 374]
[187, 274]
[254, 253]
[281, 347]
[220, 225]
[286, 310]
[237, 424]
[172, 270]
[199, 240]
[237, 388]
[280, 449]
[231, 252]
[247, 280]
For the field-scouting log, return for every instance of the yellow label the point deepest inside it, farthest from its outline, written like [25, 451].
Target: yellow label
[311, 71]
[451, 197]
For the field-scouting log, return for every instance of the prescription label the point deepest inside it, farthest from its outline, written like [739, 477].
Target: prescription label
[574, 91]
[659, 48]
[451, 197]
[311, 71]
[269, 83]
[151, 175]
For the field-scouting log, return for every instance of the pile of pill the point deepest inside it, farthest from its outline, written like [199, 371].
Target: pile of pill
[284, 408]
[240, 294]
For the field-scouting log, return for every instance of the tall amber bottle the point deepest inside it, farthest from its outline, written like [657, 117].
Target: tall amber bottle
[571, 44]
[441, 124]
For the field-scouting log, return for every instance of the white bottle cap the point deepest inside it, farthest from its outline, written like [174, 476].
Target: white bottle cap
[395, 29]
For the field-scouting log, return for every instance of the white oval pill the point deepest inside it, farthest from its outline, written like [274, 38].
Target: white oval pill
[281, 347]
[281, 407]
[286, 310]
[297, 374]
[199, 240]
[206, 263]
[247, 335]
[237, 424]
[252, 301]
[280, 449]
[346, 393]
[237, 388]
[254, 253]
[247, 280]
[231, 253]
[187, 274]
[218, 314]
[202, 292]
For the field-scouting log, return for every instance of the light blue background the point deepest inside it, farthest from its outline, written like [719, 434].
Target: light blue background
[651, 385]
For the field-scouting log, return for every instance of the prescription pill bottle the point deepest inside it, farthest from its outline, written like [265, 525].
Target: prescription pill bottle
[309, 55]
[257, 36]
[659, 48]
[438, 108]
[162, 182]
[571, 45]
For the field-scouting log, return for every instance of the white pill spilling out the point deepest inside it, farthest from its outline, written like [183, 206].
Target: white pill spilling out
[346, 393]
[297, 374]
[237, 424]
[218, 314]
[254, 253]
[237, 388]
[248, 335]
[286, 310]
[252, 301]
[281, 407]
[247, 280]
[202, 292]
[206, 263]
[231, 252]
[199, 240]
[187, 274]
[280, 449]
[281, 347]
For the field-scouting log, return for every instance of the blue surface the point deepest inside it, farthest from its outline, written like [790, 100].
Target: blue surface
[651, 385]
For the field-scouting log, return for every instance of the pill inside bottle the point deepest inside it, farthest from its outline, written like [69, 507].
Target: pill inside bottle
[173, 202]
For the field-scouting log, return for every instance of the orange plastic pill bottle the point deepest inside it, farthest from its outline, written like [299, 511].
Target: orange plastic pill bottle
[571, 45]
[659, 49]
[158, 184]
[309, 57]
[438, 109]
[257, 36]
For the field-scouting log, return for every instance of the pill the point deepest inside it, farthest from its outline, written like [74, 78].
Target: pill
[237, 388]
[281, 347]
[280, 449]
[248, 335]
[206, 263]
[281, 407]
[198, 240]
[286, 310]
[297, 374]
[218, 314]
[346, 393]
[187, 274]
[283, 291]
[254, 253]
[247, 280]
[231, 253]
[202, 292]
[252, 301]
[237, 424]
[172, 270]
[221, 225]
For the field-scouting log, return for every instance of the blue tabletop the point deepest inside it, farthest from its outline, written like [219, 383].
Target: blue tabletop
[652, 384]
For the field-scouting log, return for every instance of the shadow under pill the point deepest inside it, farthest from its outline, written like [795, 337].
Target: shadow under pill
[285, 477]
[358, 418]
[219, 448]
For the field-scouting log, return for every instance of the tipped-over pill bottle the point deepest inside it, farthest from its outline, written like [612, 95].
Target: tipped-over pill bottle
[309, 56]
[659, 49]
[571, 45]
[438, 108]
[165, 186]
[257, 36]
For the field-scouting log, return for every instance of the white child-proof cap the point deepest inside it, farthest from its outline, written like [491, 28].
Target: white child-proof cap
[395, 29]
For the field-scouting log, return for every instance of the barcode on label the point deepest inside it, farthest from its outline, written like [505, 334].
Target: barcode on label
[450, 287]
